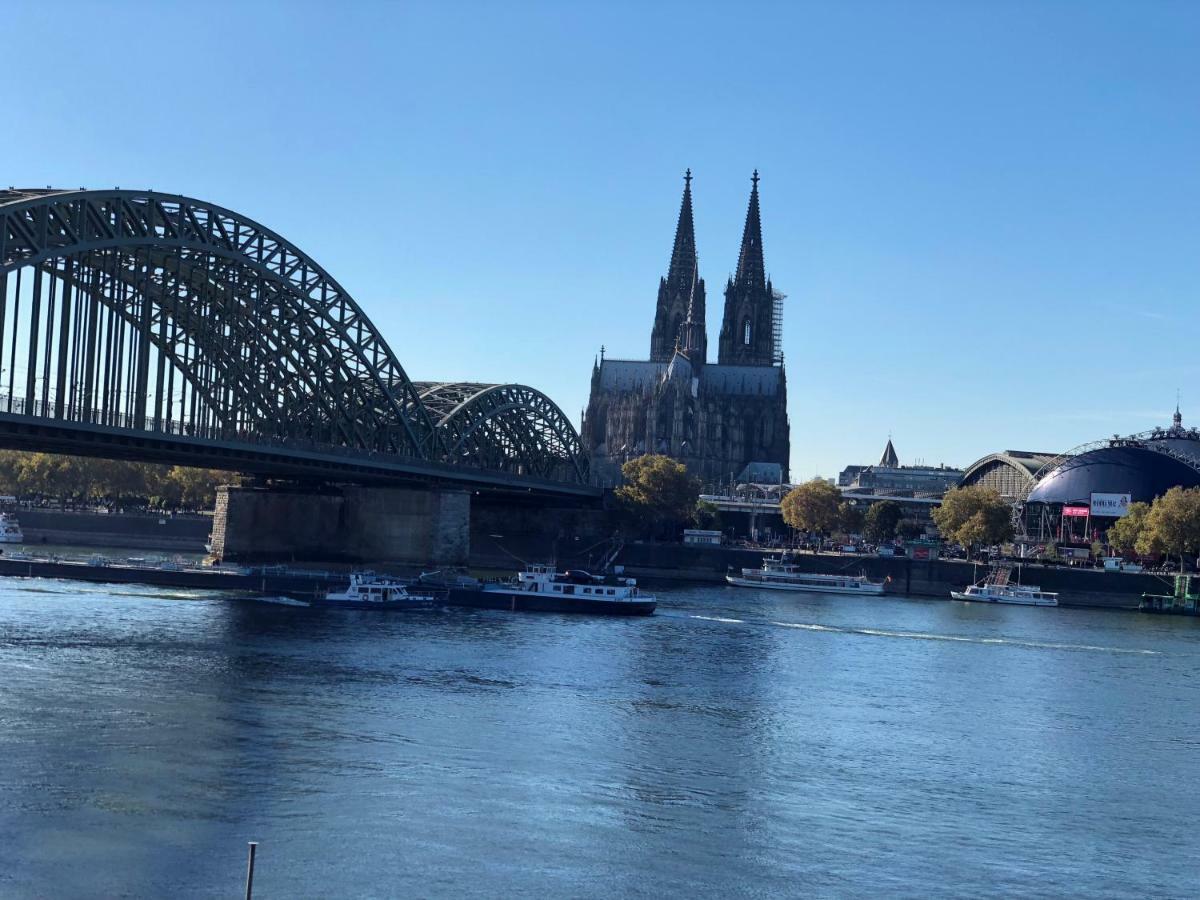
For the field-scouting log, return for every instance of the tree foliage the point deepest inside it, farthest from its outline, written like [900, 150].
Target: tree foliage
[909, 530]
[974, 516]
[1125, 532]
[850, 519]
[812, 506]
[83, 479]
[658, 491]
[882, 519]
[707, 515]
[1173, 524]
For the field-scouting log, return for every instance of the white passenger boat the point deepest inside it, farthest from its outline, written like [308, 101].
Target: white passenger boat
[780, 574]
[998, 587]
[10, 530]
[369, 591]
[544, 589]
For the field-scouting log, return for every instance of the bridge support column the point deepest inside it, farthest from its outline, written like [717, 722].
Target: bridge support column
[348, 523]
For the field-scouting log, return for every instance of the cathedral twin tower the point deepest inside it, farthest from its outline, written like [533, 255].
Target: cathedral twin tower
[750, 327]
[727, 421]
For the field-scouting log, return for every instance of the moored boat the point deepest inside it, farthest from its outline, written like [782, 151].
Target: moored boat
[1184, 601]
[10, 530]
[778, 573]
[369, 591]
[998, 587]
[543, 588]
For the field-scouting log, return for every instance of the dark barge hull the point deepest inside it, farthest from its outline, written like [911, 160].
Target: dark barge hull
[530, 601]
[299, 586]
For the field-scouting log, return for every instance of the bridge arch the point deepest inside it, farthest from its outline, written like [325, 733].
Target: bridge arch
[505, 427]
[167, 314]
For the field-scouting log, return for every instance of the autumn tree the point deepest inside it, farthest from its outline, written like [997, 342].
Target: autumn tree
[812, 506]
[1173, 525]
[658, 491]
[1123, 534]
[974, 516]
[86, 479]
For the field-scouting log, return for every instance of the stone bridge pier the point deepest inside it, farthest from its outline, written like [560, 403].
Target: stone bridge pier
[346, 523]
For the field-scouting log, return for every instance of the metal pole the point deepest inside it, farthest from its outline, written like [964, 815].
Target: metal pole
[250, 870]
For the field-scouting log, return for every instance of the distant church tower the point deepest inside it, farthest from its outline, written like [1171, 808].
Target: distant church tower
[681, 292]
[748, 331]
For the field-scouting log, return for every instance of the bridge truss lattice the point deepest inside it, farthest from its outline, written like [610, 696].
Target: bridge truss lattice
[159, 314]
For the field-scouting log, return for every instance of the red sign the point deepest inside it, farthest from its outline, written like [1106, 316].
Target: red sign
[1079, 512]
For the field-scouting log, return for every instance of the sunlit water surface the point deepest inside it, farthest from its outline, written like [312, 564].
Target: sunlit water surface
[735, 744]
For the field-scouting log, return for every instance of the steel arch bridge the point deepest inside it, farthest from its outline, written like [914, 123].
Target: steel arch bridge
[154, 326]
[504, 427]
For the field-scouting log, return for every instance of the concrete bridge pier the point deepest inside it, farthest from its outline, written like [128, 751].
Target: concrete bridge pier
[346, 523]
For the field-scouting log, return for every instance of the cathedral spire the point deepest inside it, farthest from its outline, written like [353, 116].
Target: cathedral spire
[752, 321]
[751, 271]
[683, 255]
[692, 339]
[681, 293]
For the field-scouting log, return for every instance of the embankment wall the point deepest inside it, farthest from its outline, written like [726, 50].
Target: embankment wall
[180, 533]
[918, 578]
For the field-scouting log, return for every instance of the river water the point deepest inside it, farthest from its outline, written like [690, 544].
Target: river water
[735, 744]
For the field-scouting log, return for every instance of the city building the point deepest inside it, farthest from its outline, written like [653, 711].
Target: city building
[1088, 488]
[888, 477]
[727, 421]
[1010, 473]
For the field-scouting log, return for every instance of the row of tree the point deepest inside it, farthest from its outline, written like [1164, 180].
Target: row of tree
[81, 479]
[1170, 525]
[818, 508]
[658, 497]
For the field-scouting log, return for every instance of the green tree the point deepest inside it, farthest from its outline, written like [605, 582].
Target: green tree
[658, 491]
[1123, 534]
[850, 519]
[812, 506]
[974, 516]
[85, 479]
[707, 515]
[1173, 525]
[909, 530]
[882, 519]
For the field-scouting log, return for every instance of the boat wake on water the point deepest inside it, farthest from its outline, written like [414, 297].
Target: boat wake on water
[913, 635]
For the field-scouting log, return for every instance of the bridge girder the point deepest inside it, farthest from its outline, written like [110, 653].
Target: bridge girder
[161, 314]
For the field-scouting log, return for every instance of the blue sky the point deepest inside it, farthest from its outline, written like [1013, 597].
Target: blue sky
[986, 216]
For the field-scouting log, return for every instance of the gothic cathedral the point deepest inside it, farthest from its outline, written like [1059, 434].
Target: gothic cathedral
[726, 421]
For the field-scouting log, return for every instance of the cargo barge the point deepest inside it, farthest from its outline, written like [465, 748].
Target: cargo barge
[275, 580]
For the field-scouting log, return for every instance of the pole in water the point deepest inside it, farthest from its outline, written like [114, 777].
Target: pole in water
[250, 870]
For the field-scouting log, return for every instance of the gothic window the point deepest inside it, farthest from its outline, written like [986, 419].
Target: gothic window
[746, 331]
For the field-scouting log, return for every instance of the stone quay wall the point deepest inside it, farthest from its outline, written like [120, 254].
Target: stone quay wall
[915, 578]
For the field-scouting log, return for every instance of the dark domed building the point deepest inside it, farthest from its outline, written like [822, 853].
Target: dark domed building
[1144, 466]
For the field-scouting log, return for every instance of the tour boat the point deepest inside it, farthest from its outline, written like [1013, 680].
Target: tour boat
[997, 588]
[10, 530]
[779, 574]
[543, 588]
[368, 591]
